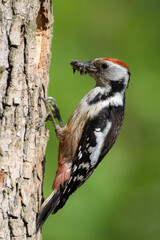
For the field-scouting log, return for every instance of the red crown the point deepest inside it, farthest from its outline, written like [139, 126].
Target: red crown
[119, 62]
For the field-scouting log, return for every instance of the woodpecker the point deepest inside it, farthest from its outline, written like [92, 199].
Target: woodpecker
[91, 130]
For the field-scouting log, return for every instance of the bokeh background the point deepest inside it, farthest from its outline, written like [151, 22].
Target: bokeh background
[121, 200]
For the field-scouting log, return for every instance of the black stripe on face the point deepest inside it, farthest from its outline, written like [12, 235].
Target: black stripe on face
[116, 86]
[99, 97]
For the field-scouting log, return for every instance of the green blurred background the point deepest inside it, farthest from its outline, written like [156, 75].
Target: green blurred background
[121, 200]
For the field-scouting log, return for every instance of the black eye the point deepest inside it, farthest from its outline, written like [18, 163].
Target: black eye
[104, 65]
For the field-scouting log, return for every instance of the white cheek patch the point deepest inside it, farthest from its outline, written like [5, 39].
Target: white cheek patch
[95, 151]
[115, 71]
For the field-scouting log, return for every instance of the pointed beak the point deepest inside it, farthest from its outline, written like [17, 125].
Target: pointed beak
[83, 67]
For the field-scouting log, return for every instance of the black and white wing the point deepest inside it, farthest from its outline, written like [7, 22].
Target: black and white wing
[98, 137]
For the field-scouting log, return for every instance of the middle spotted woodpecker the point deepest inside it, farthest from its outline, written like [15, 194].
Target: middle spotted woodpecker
[90, 132]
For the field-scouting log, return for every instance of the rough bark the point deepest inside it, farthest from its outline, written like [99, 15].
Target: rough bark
[25, 40]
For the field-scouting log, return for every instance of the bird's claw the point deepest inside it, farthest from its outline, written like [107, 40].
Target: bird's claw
[52, 111]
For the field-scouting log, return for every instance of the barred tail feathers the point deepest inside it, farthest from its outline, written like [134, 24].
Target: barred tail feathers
[46, 208]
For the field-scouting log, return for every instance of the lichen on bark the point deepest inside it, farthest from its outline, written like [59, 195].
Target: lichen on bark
[25, 41]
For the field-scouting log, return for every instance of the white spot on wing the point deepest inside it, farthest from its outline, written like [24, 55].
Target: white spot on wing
[79, 177]
[87, 145]
[79, 155]
[84, 165]
[95, 151]
[65, 188]
[74, 169]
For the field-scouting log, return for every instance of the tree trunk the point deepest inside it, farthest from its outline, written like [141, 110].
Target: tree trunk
[25, 41]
